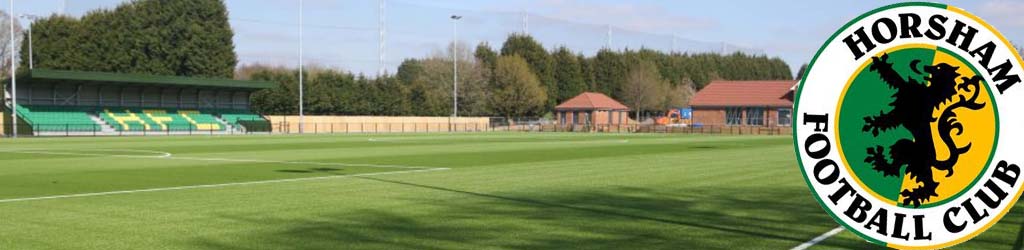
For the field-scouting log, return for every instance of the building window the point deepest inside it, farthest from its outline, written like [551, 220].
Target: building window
[575, 118]
[755, 116]
[785, 117]
[562, 118]
[733, 116]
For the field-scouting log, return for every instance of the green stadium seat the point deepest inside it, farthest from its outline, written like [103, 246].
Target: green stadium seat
[53, 118]
[244, 118]
[65, 118]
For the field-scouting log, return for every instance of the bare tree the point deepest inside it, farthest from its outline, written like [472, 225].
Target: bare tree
[473, 79]
[644, 88]
[5, 42]
[680, 95]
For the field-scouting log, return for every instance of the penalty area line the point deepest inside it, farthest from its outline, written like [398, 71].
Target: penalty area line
[819, 239]
[54, 197]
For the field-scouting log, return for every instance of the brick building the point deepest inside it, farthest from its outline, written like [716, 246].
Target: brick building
[591, 108]
[744, 103]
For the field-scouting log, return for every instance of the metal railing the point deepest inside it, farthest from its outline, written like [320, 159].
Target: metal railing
[637, 128]
[92, 129]
[389, 127]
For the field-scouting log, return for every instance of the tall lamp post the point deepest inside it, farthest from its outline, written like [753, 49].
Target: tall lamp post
[455, 65]
[14, 83]
[302, 116]
[33, 18]
[455, 70]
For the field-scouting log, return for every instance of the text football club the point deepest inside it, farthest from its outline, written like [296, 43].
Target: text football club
[906, 127]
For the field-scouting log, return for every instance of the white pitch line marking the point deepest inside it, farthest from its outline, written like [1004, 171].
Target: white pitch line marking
[83, 152]
[818, 239]
[169, 156]
[296, 162]
[216, 185]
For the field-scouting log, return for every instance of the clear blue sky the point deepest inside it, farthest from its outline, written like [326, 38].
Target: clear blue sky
[343, 33]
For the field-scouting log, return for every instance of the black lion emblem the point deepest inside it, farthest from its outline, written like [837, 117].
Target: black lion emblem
[912, 108]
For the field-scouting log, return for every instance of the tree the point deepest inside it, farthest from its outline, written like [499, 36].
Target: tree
[680, 95]
[609, 71]
[644, 87]
[281, 100]
[646, 79]
[568, 75]
[538, 60]
[800, 72]
[485, 55]
[516, 91]
[427, 84]
[5, 43]
[186, 38]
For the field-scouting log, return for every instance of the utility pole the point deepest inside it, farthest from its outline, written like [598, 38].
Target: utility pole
[301, 114]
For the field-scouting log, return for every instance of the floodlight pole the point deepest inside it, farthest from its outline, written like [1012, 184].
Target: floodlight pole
[455, 65]
[301, 113]
[14, 82]
[526, 23]
[382, 29]
[609, 37]
[31, 63]
[674, 47]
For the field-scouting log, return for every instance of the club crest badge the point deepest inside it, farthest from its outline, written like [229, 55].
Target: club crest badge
[907, 131]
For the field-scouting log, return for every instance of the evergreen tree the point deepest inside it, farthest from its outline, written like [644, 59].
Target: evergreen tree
[568, 74]
[186, 38]
[800, 72]
[485, 55]
[609, 69]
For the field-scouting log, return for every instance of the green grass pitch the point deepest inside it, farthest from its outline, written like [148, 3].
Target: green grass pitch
[417, 191]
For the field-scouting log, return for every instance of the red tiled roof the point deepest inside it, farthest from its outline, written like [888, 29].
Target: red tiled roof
[745, 93]
[591, 100]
